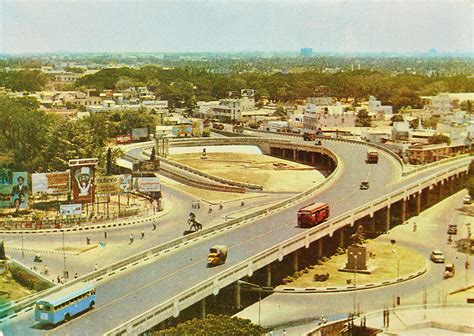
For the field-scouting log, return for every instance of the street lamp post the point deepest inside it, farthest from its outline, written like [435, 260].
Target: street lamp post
[355, 254]
[398, 276]
[259, 289]
[468, 247]
[64, 259]
[22, 249]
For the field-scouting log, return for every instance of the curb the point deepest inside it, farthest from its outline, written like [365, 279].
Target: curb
[299, 290]
[140, 220]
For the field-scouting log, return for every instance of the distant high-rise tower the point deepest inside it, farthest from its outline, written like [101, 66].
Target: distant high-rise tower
[306, 52]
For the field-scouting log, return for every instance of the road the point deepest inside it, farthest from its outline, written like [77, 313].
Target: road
[155, 281]
[284, 311]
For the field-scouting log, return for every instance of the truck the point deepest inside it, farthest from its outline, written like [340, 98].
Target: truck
[372, 156]
[217, 255]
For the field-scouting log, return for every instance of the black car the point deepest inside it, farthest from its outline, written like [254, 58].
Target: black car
[452, 229]
[364, 185]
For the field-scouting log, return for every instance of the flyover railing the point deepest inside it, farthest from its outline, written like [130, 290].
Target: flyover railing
[174, 305]
[163, 248]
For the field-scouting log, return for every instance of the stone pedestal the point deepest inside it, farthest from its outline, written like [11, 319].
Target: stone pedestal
[204, 155]
[356, 258]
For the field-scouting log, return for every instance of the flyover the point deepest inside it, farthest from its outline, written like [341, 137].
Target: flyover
[151, 287]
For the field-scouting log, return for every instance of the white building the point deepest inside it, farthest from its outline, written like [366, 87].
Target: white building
[234, 109]
[374, 106]
[324, 112]
[401, 131]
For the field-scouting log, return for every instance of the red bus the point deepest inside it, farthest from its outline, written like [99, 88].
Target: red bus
[313, 214]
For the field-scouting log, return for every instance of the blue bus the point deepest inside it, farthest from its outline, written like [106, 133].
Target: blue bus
[63, 305]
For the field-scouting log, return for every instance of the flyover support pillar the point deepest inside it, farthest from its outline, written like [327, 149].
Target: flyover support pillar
[295, 260]
[295, 155]
[269, 275]
[320, 247]
[404, 210]
[203, 308]
[341, 238]
[387, 220]
[238, 301]
[451, 184]
[418, 203]
[440, 190]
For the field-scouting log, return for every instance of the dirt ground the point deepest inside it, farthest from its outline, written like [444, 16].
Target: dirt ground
[384, 262]
[275, 175]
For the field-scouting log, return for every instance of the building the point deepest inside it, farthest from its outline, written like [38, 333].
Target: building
[234, 109]
[422, 154]
[374, 106]
[324, 112]
[401, 131]
[306, 52]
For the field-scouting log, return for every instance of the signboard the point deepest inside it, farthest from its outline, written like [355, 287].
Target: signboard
[20, 190]
[147, 166]
[146, 184]
[6, 188]
[139, 133]
[51, 183]
[125, 183]
[123, 139]
[107, 185]
[70, 209]
[82, 180]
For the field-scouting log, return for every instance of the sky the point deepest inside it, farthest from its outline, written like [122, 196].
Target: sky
[232, 26]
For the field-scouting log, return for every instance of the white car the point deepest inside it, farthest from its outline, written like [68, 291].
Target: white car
[437, 256]
[467, 200]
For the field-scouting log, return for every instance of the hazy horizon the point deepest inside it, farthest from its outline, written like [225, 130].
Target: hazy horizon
[398, 27]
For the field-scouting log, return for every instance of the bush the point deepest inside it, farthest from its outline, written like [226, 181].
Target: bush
[27, 279]
[340, 251]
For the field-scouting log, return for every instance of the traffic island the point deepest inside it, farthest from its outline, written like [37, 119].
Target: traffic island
[383, 259]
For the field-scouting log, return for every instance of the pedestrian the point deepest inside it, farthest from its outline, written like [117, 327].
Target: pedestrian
[76, 275]
[414, 226]
[131, 239]
[59, 279]
[198, 204]
[242, 203]
[143, 234]
[46, 272]
[154, 226]
[88, 241]
[96, 267]
[210, 209]
[220, 205]
[193, 205]
[284, 332]
[105, 235]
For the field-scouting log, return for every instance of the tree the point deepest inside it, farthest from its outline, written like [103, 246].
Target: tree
[363, 119]
[3, 255]
[218, 325]
[108, 165]
[439, 139]
[397, 118]
[153, 154]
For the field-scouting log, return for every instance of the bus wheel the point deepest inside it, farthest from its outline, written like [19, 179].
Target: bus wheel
[92, 305]
[67, 317]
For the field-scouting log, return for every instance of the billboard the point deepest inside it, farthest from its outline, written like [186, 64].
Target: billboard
[146, 184]
[82, 179]
[70, 209]
[20, 190]
[51, 183]
[123, 139]
[139, 133]
[125, 183]
[113, 185]
[6, 188]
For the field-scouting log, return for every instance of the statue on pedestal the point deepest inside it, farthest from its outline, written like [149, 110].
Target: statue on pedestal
[204, 155]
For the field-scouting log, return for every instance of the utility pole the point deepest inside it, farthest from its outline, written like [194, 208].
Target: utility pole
[65, 275]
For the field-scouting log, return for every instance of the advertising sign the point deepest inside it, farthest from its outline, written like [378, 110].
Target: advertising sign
[70, 209]
[125, 183]
[51, 183]
[6, 188]
[146, 184]
[139, 133]
[20, 190]
[107, 185]
[82, 179]
[123, 139]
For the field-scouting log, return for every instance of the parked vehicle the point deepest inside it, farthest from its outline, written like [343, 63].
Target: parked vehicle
[449, 271]
[217, 255]
[217, 126]
[364, 185]
[467, 200]
[313, 214]
[437, 256]
[372, 156]
[452, 229]
[318, 143]
[38, 258]
[309, 136]
[65, 304]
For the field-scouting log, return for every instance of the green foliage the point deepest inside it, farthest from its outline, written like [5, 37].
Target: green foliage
[27, 279]
[439, 139]
[363, 119]
[23, 80]
[216, 325]
[397, 118]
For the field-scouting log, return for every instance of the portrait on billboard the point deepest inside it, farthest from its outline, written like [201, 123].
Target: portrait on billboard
[83, 180]
[20, 190]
